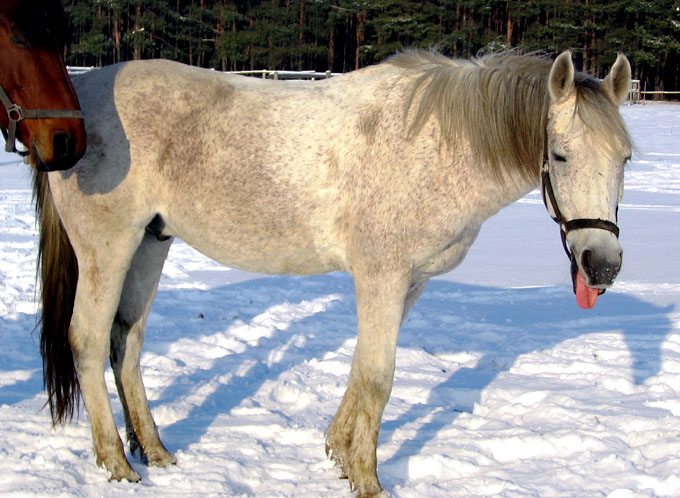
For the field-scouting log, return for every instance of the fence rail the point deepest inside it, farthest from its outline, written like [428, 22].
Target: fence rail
[74, 70]
[636, 94]
[263, 73]
[287, 75]
[659, 92]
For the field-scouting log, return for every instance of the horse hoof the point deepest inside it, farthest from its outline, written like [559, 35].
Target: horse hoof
[380, 494]
[130, 476]
[367, 489]
[121, 472]
[160, 459]
[119, 469]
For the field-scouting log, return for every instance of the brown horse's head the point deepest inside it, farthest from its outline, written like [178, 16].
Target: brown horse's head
[33, 77]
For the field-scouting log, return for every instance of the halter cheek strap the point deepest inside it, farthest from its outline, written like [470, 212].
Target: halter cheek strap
[16, 114]
[567, 226]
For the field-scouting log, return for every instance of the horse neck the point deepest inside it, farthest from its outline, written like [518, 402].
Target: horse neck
[500, 114]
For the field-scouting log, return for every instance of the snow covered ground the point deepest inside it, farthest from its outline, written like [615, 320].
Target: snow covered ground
[504, 387]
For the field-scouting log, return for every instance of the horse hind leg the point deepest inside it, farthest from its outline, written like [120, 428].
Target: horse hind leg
[101, 273]
[352, 438]
[127, 337]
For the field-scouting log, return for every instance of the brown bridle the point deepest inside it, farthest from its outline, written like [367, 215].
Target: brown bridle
[16, 114]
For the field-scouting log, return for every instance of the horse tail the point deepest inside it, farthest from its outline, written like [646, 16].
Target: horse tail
[58, 270]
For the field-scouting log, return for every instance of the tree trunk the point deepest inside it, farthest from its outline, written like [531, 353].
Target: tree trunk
[301, 34]
[117, 21]
[508, 25]
[331, 46]
[361, 25]
[138, 37]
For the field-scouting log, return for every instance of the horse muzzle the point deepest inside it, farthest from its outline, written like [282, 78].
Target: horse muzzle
[600, 268]
[595, 257]
[598, 261]
[61, 152]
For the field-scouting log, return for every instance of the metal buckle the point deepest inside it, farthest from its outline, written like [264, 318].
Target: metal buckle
[17, 110]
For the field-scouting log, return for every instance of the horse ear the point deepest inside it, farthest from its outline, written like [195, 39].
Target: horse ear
[617, 81]
[561, 79]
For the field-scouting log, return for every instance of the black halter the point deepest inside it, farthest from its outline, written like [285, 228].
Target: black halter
[567, 226]
[15, 114]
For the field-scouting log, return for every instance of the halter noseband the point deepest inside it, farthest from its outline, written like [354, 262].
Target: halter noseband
[567, 226]
[15, 114]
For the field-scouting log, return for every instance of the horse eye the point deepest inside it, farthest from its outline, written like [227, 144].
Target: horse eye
[20, 41]
[558, 158]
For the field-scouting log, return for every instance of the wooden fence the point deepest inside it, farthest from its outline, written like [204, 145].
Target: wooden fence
[636, 94]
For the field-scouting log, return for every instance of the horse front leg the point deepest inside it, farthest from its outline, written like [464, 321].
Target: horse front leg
[352, 437]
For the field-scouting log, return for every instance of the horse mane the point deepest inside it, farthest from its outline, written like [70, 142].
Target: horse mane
[499, 102]
[43, 22]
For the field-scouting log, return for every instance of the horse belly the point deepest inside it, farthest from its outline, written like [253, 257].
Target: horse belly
[272, 257]
[260, 244]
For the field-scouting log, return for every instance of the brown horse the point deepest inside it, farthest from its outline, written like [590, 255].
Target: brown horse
[42, 109]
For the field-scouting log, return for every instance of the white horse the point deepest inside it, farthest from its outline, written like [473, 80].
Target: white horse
[386, 173]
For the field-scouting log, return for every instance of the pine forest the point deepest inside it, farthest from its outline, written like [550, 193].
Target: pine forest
[342, 35]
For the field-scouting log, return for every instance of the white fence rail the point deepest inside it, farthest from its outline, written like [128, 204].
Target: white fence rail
[74, 70]
[262, 73]
[287, 75]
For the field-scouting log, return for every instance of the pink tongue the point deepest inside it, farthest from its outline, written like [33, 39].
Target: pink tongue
[585, 296]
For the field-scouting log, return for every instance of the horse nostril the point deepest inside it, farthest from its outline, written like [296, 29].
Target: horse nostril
[63, 146]
[586, 263]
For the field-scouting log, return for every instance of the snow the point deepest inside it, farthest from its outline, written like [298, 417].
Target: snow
[503, 385]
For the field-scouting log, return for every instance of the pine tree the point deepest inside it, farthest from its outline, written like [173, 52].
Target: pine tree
[342, 35]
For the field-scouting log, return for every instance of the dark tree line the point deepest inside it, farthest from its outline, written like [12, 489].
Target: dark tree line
[342, 35]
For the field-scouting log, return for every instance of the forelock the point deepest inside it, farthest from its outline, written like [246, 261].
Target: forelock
[42, 22]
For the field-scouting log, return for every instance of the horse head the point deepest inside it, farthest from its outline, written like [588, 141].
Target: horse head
[41, 108]
[587, 148]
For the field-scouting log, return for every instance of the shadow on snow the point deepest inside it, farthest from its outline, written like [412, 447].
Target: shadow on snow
[501, 324]
[449, 318]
